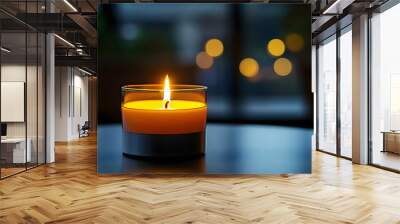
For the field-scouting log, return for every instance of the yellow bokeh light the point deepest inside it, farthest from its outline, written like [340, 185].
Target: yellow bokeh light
[249, 67]
[294, 42]
[214, 47]
[282, 66]
[204, 61]
[276, 47]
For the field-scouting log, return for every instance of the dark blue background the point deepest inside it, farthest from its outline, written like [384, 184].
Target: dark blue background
[141, 43]
[255, 126]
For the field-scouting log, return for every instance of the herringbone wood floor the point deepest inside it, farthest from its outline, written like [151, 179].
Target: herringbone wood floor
[70, 191]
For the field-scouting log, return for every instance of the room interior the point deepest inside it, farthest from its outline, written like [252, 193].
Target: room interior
[22, 102]
[51, 92]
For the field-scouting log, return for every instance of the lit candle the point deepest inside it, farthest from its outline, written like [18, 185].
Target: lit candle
[163, 126]
[164, 116]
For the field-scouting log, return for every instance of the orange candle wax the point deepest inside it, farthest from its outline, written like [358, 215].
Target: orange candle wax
[152, 117]
[164, 121]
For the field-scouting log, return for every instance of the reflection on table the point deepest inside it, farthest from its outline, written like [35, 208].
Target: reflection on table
[230, 149]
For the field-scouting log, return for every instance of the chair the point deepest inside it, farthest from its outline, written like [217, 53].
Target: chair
[84, 130]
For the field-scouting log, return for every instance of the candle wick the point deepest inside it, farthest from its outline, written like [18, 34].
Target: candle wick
[166, 104]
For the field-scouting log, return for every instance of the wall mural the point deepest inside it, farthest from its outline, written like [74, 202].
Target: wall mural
[210, 88]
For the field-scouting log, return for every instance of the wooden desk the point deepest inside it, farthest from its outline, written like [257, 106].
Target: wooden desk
[391, 141]
[16, 147]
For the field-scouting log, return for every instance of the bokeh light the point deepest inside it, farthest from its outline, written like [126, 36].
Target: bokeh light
[276, 47]
[249, 67]
[295, 42]
[282, 66]
[204, 61]
[214, 47]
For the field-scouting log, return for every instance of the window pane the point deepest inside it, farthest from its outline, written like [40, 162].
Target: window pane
[346, 94]
[14, 153]
[41, 98]
[22, 90]
[31, 99]
[327, 96]
[385, 89]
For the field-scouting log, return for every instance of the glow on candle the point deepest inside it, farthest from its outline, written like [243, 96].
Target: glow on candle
[167, 93]
[151, 110]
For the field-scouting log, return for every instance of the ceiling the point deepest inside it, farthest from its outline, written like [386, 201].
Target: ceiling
[75, 21]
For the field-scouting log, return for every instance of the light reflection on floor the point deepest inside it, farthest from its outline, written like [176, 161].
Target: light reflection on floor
[386, 159]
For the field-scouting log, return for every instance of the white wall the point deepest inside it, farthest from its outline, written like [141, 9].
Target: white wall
[71, 102]
[12, 73]
[62, 81]
[80, 110]
[33, 127]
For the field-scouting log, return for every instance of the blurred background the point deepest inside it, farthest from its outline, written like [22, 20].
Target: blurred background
[254, 58]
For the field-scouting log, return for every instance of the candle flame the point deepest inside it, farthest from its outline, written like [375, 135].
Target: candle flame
[167, 93]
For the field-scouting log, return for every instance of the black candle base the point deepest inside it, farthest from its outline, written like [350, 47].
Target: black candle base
[162, 146]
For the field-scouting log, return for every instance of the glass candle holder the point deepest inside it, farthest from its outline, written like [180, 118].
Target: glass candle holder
[156, 126]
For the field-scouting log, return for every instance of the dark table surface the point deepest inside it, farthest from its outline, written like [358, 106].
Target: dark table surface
[230, 149]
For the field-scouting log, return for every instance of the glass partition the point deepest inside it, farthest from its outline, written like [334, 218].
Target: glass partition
[346, 93]
[22, 88]
[327, 96]
[31, 99]
[385, 89]
[13, 95]
[41, 97]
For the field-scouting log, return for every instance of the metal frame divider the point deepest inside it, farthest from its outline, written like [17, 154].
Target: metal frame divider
[338, 98]
[369, 77]
[26, 87]
[316, 97]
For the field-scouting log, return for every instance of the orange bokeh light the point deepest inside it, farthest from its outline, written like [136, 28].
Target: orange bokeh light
[276, 47]
[204, 61]
[294, 42]
[283, 66]
[214, 47]
[249, 67]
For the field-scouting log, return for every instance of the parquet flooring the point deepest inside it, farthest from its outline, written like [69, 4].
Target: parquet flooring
[70, 191]
[10, 171]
